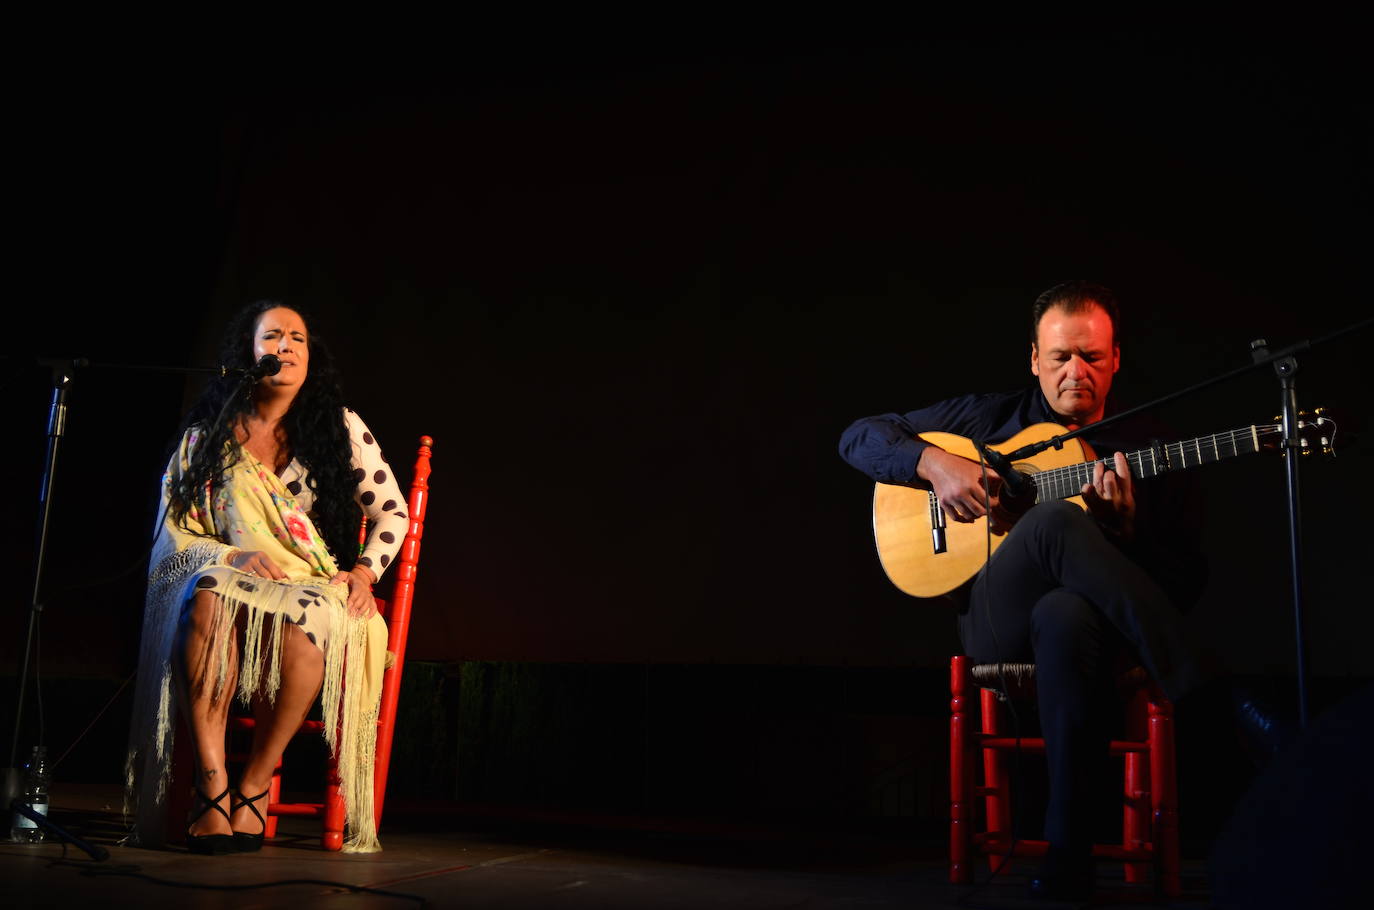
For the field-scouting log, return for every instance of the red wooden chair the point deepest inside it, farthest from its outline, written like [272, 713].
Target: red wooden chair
[330, 810]
[1150, 798]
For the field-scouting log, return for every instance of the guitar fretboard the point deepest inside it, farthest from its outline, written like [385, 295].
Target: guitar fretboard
[1061, 483]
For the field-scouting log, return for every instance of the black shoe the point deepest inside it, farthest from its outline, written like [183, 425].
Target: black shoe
[243, 841]
[209, 844]
[1064, 876]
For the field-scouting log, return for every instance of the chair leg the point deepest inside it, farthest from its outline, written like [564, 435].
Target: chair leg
[1135, 822]
[1164, 794]
[960, 776]
[1136, 800]
[273, 796]
[996, 779]
[333, 822]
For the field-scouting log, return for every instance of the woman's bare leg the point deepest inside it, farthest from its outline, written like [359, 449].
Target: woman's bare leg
[207, 712]
[302, 673]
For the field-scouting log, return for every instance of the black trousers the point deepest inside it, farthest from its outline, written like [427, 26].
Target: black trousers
[1058, 593]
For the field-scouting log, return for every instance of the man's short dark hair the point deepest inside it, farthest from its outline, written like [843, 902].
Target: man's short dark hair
[1075, 297]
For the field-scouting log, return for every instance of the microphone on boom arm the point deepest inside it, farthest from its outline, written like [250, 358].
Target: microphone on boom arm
[269, 365]
[1018, 488]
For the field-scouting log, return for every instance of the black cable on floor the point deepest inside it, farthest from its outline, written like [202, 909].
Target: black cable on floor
[133, 871]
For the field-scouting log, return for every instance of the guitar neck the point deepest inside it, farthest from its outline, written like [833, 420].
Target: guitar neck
[1061, 483]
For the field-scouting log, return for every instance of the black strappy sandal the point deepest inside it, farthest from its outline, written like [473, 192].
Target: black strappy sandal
[210, 844]
[243, 841]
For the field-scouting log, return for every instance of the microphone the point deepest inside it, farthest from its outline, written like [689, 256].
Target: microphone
[1018, 488]
[269, 365]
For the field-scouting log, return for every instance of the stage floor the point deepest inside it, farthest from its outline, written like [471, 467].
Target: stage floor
[438, 860]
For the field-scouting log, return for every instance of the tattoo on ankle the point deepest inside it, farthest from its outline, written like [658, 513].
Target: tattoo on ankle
[209, 774]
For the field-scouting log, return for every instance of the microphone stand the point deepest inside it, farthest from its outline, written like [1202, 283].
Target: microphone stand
[64, 372]
[1285, 367]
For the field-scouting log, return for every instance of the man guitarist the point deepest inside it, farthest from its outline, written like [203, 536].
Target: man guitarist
[1071, 590]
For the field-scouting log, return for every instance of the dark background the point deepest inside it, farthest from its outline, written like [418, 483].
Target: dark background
[636, 291]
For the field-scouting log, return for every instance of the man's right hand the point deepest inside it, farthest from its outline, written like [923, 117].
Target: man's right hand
[958, 483]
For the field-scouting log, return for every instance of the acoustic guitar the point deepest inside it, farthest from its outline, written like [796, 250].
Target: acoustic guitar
[926, 556]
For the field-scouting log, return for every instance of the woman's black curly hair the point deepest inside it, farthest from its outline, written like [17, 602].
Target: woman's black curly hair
[316, 434]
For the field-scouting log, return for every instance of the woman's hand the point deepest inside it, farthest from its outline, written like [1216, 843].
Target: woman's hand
[255, 562]
[360, 581]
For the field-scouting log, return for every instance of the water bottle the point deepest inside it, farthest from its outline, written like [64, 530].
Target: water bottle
[22, 828]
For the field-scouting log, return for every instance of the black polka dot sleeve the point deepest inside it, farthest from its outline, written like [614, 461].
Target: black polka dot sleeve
[379, 495]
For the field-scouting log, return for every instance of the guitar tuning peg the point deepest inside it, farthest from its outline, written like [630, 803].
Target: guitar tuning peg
[1316, 432]
[1326, 432]
[1323, 430]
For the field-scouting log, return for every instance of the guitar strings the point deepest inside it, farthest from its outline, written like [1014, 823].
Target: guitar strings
[1068, 480]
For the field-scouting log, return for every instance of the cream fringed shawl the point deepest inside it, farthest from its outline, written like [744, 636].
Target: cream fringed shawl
[253, 511]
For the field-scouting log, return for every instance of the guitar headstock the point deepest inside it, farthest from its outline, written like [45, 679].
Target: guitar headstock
[1316, 432]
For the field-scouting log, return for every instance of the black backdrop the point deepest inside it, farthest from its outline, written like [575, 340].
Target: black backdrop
[636, 295]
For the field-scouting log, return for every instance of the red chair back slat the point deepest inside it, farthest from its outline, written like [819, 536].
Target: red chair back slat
[397, 614]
